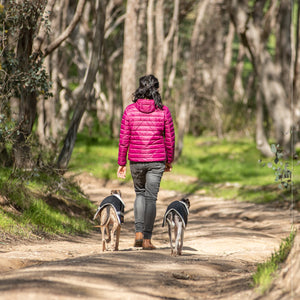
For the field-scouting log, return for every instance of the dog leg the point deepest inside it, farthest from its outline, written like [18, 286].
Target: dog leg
[115, 231]
[178, 230]
[113, 238]
[170, 229]
[118, 231]
[181, 240]
[103, 238]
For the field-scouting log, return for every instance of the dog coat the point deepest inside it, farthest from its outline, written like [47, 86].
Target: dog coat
[181, 209]
[117, 204]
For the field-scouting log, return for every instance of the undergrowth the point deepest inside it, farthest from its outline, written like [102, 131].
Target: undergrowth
[266, 272]
[42, 203]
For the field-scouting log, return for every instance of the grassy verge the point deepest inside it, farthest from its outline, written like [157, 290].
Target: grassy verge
[227, 168]
[41, 204]
[263, 277]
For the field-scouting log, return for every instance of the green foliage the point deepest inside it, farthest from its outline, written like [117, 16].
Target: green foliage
[19, 72]
[219, 167]
[281, 168]
[265, 272]
[15, 74]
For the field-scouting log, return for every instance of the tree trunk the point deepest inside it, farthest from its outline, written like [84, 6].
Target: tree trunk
[172, 73]
[296, 78]
[254, 33]
[238, 88]
[283, 45]
[162, 42]
[128, 79]
[27, 104]
[159, 44]
[218, 72]
[141, 26]
[184, 106]
[228, 48]
[261, 139]
[150, 36]
[85, 91]
[113, 111]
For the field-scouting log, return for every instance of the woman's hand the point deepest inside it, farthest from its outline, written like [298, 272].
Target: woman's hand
[168, 167]
[121, 172]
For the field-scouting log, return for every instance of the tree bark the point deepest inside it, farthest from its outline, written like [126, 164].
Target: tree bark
[85, 91]
[128, 79]
[254, 31]
[66, 33]
[150, 44]
[141, 25]
[238, 88]
[284, 45]
[184, 106]
[159, 44]
[162, 42]
[296, 79]
[228, 47]
[261, 139]
[28, 101]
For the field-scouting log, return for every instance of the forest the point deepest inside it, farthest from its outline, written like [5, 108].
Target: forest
[224, 67]
[229, 73]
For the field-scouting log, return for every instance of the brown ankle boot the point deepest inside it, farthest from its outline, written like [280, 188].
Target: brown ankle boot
[138, 239]
[147, 245]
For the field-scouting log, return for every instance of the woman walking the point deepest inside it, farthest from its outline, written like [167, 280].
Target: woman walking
[147, 136]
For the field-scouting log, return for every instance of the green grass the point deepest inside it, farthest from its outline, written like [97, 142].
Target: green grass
[95, 155]
[263, 277]
[227, 168]
[42, 203]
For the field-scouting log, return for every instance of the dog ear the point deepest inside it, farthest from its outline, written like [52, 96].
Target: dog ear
[187, 201]
[118, 192]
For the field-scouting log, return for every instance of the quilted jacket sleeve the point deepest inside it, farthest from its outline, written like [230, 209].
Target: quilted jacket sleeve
[124, 140]
[169, 136]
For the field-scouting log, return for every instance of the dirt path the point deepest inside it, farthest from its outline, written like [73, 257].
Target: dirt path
[224, 241]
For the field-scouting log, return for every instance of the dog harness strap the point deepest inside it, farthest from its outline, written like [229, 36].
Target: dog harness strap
[116, 203]
[181, 209]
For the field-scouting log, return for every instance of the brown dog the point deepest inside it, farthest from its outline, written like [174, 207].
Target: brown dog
[176, 217]
[111, 214]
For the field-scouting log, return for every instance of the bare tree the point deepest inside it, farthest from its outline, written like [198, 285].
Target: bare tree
[296, 77]
[27, 103]
[128, 80]
[283, 54]
[238, 88]
[83, 94]
[162, 41]
[150, 35]
[254, 30]
[184, 107]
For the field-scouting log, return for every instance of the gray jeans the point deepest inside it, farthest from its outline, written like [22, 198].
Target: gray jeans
[146, 178]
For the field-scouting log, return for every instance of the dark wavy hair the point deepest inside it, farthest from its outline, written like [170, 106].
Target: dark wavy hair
[148, 89]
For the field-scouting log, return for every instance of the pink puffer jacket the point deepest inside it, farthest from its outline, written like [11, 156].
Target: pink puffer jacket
[147, 133]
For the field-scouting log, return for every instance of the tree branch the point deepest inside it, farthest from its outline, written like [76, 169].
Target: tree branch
[66, 33]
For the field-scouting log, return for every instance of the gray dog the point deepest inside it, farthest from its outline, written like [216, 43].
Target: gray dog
[176, 217]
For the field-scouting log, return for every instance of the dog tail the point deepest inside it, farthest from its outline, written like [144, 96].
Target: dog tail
[107, 215]
[170, 220]
[97, 212]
